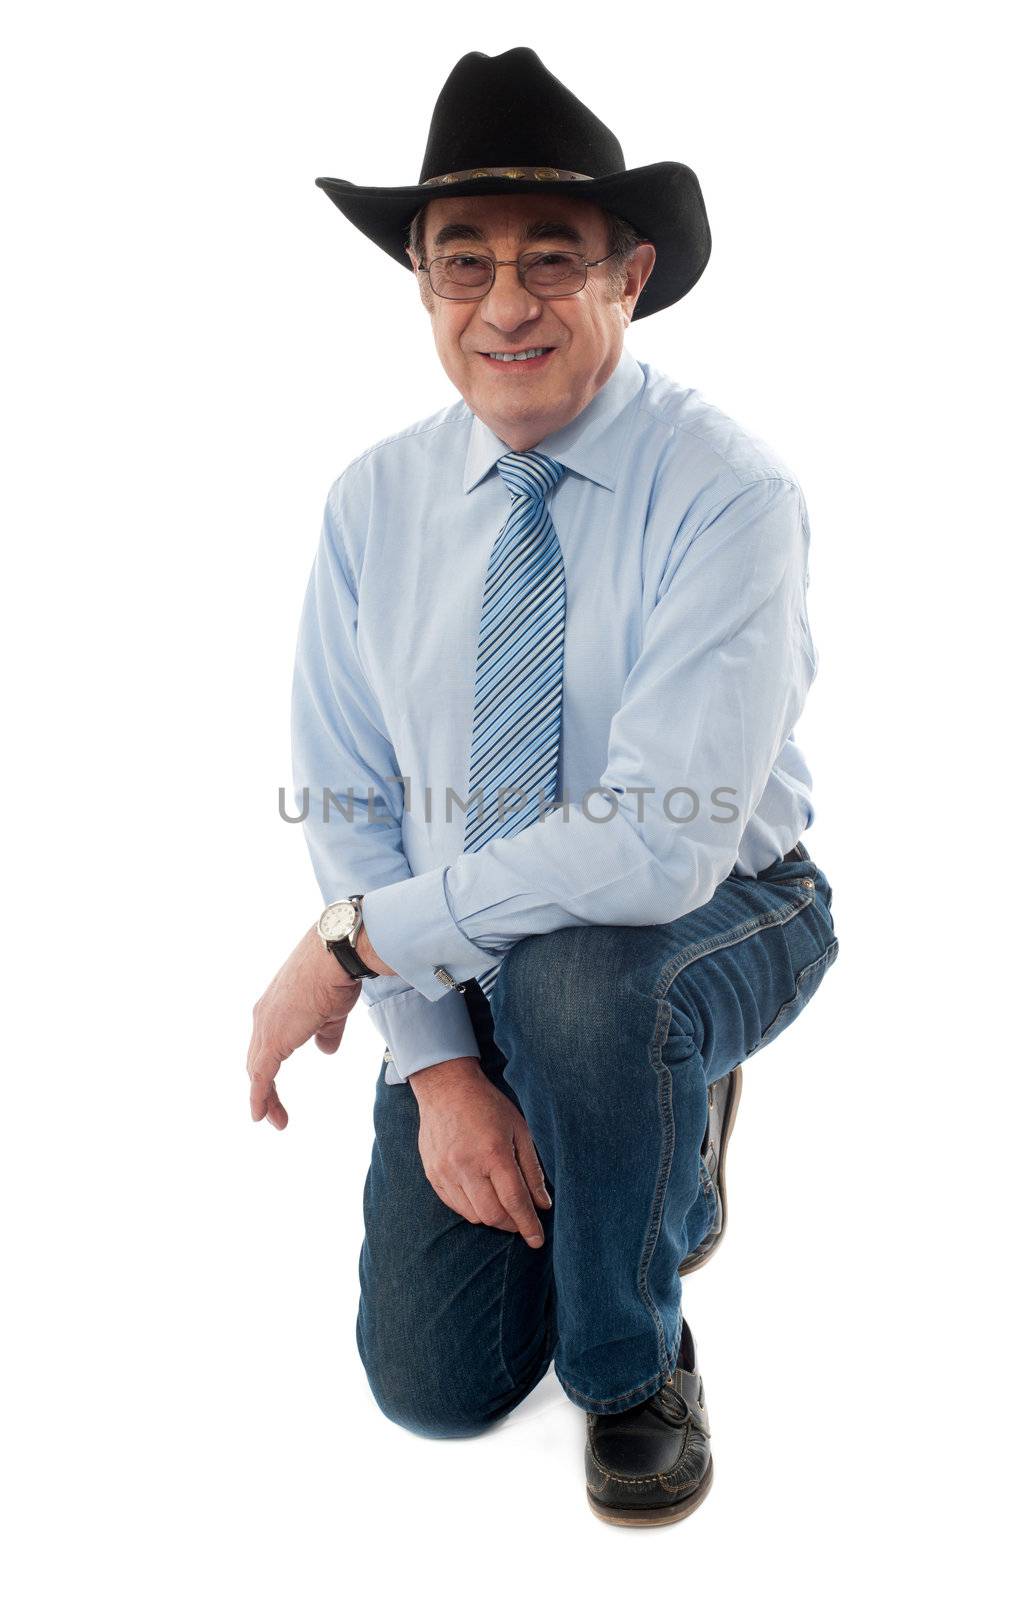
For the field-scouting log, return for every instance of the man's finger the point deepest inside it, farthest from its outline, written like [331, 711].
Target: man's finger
[263, 1066]
[529, 1166]
[275, 1110]
[515, 1197]
[486, 1202]
[264, 1101]
[454, 1197]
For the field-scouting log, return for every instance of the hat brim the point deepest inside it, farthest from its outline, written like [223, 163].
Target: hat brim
[663, 202]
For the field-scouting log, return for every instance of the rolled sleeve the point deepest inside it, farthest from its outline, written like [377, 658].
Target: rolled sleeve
[414, 931]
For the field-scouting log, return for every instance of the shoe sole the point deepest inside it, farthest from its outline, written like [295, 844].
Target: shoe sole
[651, 1516]
[696, 1260]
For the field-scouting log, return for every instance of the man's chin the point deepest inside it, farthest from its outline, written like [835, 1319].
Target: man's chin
[528, 416]
[521, 400]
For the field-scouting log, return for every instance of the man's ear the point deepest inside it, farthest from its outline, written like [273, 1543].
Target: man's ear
[421, 280]
[639, 271]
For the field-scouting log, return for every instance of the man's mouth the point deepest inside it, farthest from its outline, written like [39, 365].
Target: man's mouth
[536, 355]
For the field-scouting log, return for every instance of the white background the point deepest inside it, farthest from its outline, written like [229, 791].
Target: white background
[196, 344]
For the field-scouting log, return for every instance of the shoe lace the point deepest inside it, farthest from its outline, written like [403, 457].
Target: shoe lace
[670, 1405]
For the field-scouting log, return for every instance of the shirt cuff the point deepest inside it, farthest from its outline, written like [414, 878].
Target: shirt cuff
[419, 1034]
[413, 930]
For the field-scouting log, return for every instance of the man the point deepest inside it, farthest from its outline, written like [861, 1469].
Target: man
[553, 648]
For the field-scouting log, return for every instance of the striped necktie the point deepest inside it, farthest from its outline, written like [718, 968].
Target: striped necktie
[516, 743]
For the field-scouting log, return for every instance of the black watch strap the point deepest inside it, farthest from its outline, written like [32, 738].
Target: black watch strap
[349, 958]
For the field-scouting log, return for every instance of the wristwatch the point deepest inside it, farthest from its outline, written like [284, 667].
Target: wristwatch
[339, 926]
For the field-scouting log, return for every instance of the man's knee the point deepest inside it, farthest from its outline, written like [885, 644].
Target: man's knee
[414, 1410]
[414, 1386]
[577, 995]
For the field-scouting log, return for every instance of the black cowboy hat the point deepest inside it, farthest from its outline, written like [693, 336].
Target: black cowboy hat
[504, 124]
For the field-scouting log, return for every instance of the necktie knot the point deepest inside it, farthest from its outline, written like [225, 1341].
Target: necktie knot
[528, 474]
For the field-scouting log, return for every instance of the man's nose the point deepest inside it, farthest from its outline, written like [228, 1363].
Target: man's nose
[507, 304]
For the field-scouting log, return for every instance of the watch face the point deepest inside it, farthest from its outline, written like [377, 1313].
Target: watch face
[338, 920]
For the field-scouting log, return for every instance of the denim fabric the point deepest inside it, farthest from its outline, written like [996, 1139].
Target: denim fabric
[607, 1038]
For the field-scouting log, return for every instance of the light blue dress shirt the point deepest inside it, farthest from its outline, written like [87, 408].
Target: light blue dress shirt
[688, 658]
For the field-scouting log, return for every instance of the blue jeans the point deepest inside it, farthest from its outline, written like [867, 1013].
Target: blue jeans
[607, 1038]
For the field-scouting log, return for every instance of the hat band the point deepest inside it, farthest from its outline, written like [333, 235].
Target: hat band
[543, 174]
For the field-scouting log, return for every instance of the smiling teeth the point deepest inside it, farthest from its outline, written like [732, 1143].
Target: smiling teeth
[520, 355]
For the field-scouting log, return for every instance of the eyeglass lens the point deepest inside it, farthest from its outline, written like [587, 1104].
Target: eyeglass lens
[464, 277]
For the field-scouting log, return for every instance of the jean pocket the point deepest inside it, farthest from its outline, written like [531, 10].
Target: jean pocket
[799, 874]
[807, 982]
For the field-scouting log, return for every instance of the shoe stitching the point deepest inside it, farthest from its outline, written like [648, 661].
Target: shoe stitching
[688, 1483]
[667, 1479]
[696, 1440]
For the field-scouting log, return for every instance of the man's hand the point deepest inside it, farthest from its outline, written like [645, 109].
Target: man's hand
[311, 994]
[478, 1154]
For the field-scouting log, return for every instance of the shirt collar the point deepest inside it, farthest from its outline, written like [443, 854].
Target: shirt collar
[591, 444]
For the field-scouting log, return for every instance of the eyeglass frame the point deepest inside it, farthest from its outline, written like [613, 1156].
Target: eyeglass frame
[566, 294]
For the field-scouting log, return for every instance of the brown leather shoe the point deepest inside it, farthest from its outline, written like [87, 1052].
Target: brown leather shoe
[723, 1100]
[653, 1463]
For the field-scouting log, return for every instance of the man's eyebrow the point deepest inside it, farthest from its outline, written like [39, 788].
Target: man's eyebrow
[456, 231]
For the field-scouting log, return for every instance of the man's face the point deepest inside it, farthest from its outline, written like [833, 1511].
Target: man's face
[525, 401]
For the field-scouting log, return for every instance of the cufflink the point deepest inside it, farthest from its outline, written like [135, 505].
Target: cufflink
[449, 982]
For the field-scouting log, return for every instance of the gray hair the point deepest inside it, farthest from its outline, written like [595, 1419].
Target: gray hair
[622, 240]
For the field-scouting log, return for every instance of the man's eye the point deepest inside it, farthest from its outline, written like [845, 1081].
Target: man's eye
[549, 258]
[467, 261]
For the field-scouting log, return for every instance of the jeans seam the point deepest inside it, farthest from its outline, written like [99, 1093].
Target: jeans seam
[722, 941]
[664, 1096]
[501, 1314]
[803, 978]
[672, 970]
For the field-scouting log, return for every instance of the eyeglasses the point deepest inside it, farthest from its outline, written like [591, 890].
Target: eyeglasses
[548, 274]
